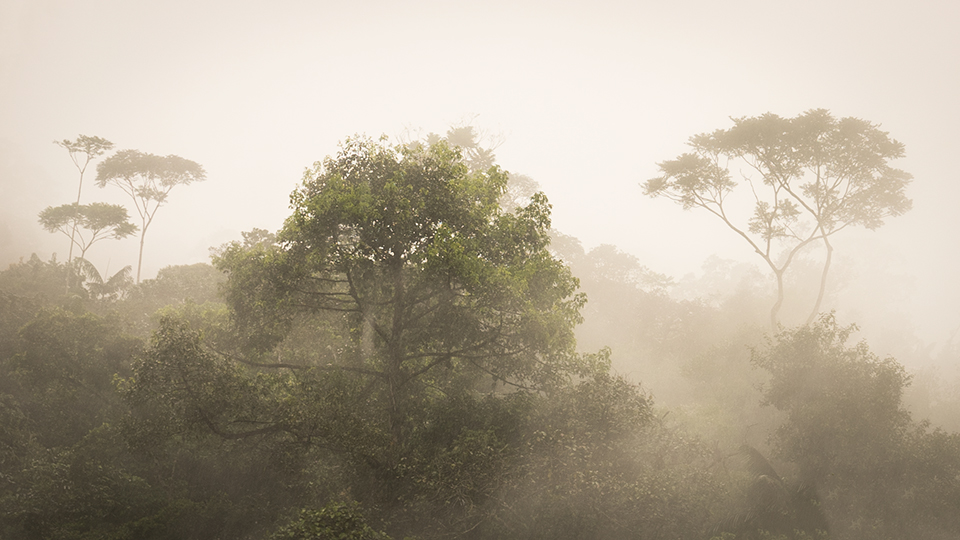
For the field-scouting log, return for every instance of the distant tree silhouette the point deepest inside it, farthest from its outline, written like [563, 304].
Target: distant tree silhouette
[817, 176]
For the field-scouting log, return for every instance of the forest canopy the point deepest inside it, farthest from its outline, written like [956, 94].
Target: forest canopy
[416, 353]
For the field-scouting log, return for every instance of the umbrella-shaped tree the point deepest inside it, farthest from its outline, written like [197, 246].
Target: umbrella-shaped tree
[99, 220]
[148, 180]
[817, 176]
[82, 151]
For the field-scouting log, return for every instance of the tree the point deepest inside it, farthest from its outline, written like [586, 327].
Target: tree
[477, 148]
[148, 180]
[396, 295]
[880, 474]
[64, 370]
[470, 141]
[101, 220]
[773, 505]
[409, 250]
[82, 151]
[36, 279]
[818, 175]
[407, 343]
[841, 402]
[113, 288]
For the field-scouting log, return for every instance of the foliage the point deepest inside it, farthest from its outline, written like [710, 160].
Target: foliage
[420, 338]
[477, 148]
[179, 285]
[90, 147]
[774, 507]
[335, 521]
[597, 464]
[818, 176]
[41, 283]
[519, 464]
[397, 281]
[64, 370]
[852, 440]
[191, 409]
[109, 290]
[60, 463]
[834, 396]
[410, 251]
[179, 386]
[401, 356]
[37, 279]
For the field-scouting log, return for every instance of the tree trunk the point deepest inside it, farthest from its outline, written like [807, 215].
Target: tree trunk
[775, 310]
[140, 256]
[823, 281]
[395, 376]
[73, 235]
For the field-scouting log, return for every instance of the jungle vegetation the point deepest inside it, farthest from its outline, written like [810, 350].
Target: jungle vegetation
[418, 354]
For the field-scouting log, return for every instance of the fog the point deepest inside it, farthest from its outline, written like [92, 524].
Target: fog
[584, 100]
[412, 358]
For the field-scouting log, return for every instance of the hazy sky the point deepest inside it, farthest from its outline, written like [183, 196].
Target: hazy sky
[587, 98]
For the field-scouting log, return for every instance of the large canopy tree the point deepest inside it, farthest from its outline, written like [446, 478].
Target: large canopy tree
[148, 180]
[817, 175]
[409, 254]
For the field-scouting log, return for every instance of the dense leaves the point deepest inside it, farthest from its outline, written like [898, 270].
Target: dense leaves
[406, 253]
[879, 473]
[336, 520]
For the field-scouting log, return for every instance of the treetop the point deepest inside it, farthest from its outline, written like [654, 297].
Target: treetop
[92, 146]
[168, 170]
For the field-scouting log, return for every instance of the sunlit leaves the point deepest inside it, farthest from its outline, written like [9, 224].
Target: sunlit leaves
[415, 243]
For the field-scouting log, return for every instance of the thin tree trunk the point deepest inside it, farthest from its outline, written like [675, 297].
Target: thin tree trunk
[73, 235]
[146, 219]
[823, 281]
[395, 377]
[140, 257]
[775, 310]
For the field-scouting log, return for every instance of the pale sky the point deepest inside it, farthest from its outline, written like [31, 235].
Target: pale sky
[586, 96]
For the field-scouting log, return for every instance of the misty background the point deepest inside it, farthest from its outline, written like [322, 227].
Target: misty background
[585, 100]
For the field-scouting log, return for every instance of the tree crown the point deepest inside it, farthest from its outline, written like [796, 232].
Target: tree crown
[153, 175]
[413, 247]
[833, 171]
